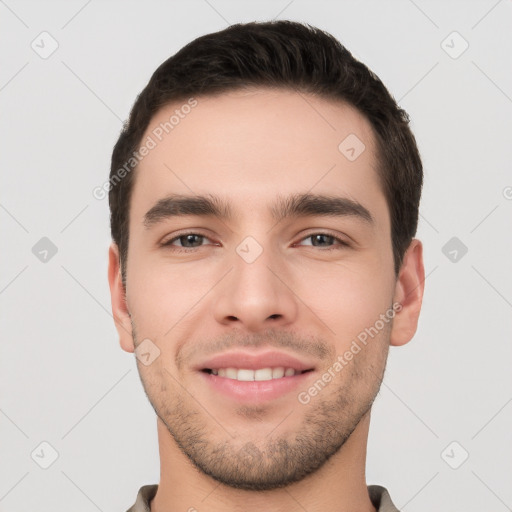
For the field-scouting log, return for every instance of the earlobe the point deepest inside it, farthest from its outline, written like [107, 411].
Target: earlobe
[118, 299]
[409, 293]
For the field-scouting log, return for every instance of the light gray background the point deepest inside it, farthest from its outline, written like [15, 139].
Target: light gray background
[64, 378]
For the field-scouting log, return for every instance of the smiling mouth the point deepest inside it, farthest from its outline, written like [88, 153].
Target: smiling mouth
[260, 374]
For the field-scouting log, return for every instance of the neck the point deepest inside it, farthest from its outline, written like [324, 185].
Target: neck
[338, 486]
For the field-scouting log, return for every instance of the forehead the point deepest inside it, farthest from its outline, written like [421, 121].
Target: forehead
[251, 145]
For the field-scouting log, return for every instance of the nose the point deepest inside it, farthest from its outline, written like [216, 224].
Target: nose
[256, 295]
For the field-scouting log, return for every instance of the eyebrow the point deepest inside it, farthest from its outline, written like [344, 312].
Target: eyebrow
[295, 205]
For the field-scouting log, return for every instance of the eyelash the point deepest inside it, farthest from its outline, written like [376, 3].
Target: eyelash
[342, 243]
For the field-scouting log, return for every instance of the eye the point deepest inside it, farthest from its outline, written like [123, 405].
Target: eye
[188, 241]
[191, 241]
[320, 239]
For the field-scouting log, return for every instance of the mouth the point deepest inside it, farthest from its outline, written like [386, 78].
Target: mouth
[250, 377]
[259, 374]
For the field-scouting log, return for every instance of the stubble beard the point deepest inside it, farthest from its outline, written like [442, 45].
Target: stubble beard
[275, 461]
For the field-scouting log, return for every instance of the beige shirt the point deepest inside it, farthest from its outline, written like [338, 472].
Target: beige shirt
[379, 496]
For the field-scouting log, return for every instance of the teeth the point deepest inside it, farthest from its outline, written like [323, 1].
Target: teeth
[260, 374]
[231, 373]
[263, 374]
[245, 375]
[277, 373]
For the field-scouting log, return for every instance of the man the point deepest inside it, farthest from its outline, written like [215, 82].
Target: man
[264, 198]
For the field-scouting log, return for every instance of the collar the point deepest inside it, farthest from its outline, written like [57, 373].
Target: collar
[379, 497]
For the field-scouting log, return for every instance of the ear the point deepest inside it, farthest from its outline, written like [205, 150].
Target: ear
[118, 299]
[409, 293]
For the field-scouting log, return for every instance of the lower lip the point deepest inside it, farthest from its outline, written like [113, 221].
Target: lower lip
[256, 391]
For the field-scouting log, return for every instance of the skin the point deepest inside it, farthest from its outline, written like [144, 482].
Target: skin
[247, 147]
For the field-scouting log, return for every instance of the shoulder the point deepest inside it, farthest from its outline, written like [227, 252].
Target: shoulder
[144, 496]
[381, 499]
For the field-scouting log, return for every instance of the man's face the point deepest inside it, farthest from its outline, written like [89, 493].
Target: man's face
[255, 291]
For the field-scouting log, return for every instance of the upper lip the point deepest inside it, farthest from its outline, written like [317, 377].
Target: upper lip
[254, 361]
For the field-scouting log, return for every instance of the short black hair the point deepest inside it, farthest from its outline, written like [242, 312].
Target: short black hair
[284, 55]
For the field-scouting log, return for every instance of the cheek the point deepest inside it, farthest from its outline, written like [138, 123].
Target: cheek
[346, 296]
[162, 296]
[347, 301]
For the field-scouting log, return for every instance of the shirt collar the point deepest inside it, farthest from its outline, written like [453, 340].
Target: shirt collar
[379, 497]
